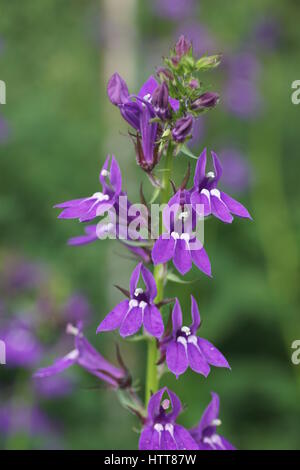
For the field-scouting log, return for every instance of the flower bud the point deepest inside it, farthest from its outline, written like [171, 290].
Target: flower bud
[182, 46]
[183, 128]
[165, 74]
[117, 90]
[194, 83]
[206, 100]
[160, 101]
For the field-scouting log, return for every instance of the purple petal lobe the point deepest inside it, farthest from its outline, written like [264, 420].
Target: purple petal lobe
[201, 260]
[183, 439]
[210, 413]
[134, 279]
[195, 316]
[182, 257]
[220, 210]
[149, 282]
[153, 321]
[235, 207]
[148, 87]
[212, 354]
[217, 167]
[154, 403]
[59, 365]
[201, 199]
[150, 439]
[176, 358]
[114, 319]
[176, 317]
[196, 359]
[167, 440]
[200, 169]
[132, 322]
[163, 250]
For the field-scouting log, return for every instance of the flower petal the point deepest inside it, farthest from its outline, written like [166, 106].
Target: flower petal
[201, 260]
[59, 365]
[154, 403]
[176, 317]
[167, 441]
[134, 279]
[201, 203]
[183, 439]
[117, 89]
[176, 406]
[195, 316]
[132, 322]
[150, 439]
[235, 207]
[163, 250]
[176, 358]
[210, 413]
[219, 209]
[200, 169]
[149, 282]
[196, 359]
[217, 167]
[153, 321]
[114, 319]
[212, 354]
[148, 87]
[182, 257]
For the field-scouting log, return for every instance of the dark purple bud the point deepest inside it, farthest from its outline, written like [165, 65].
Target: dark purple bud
[164, 74]
[182, 46]
[117, 90]
[160, 101]
[175, 61]
[183, 128]
[206, 100]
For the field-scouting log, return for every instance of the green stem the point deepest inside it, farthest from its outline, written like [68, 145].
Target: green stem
[152, 379]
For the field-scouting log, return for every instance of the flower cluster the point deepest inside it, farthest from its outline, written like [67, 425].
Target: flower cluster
[161, 117]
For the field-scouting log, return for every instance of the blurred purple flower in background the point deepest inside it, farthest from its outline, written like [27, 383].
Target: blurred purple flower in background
[53, 387]
[202, 40]
[266, 33]
[19, 275]
[174, 9]
[77, 308]
[22, 347]
[237, 172]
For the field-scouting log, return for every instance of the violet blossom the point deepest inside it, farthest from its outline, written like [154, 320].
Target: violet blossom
[205, 434]
[160, 431]
[86, 209]
[140, 309]
[183, 348]
[207, 194]
[89, 359]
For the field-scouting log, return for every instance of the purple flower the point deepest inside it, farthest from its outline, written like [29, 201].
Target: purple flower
[205, 434]
[89, 359]
[139, 310]
[77, 309]
[206, 194]
[160, 431]
[179, 243]
[22, 347]
[174, 9]
[184, 348]
[182, 129]
[237, 174]
[86, 209]
[242, 98]
[53, 386]
[147, 154]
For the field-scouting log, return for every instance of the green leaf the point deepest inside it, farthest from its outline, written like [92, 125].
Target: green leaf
[174, 278]
[186, 151]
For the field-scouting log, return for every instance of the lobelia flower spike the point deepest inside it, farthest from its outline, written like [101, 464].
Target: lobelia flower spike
[205, 434]
[139, 310]
[89, 359]
[86, 209]
[206, 194]
[184, 349]
[160, 431]
[179, 243]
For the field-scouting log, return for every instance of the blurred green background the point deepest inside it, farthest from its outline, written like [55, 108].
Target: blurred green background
[58, 126]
